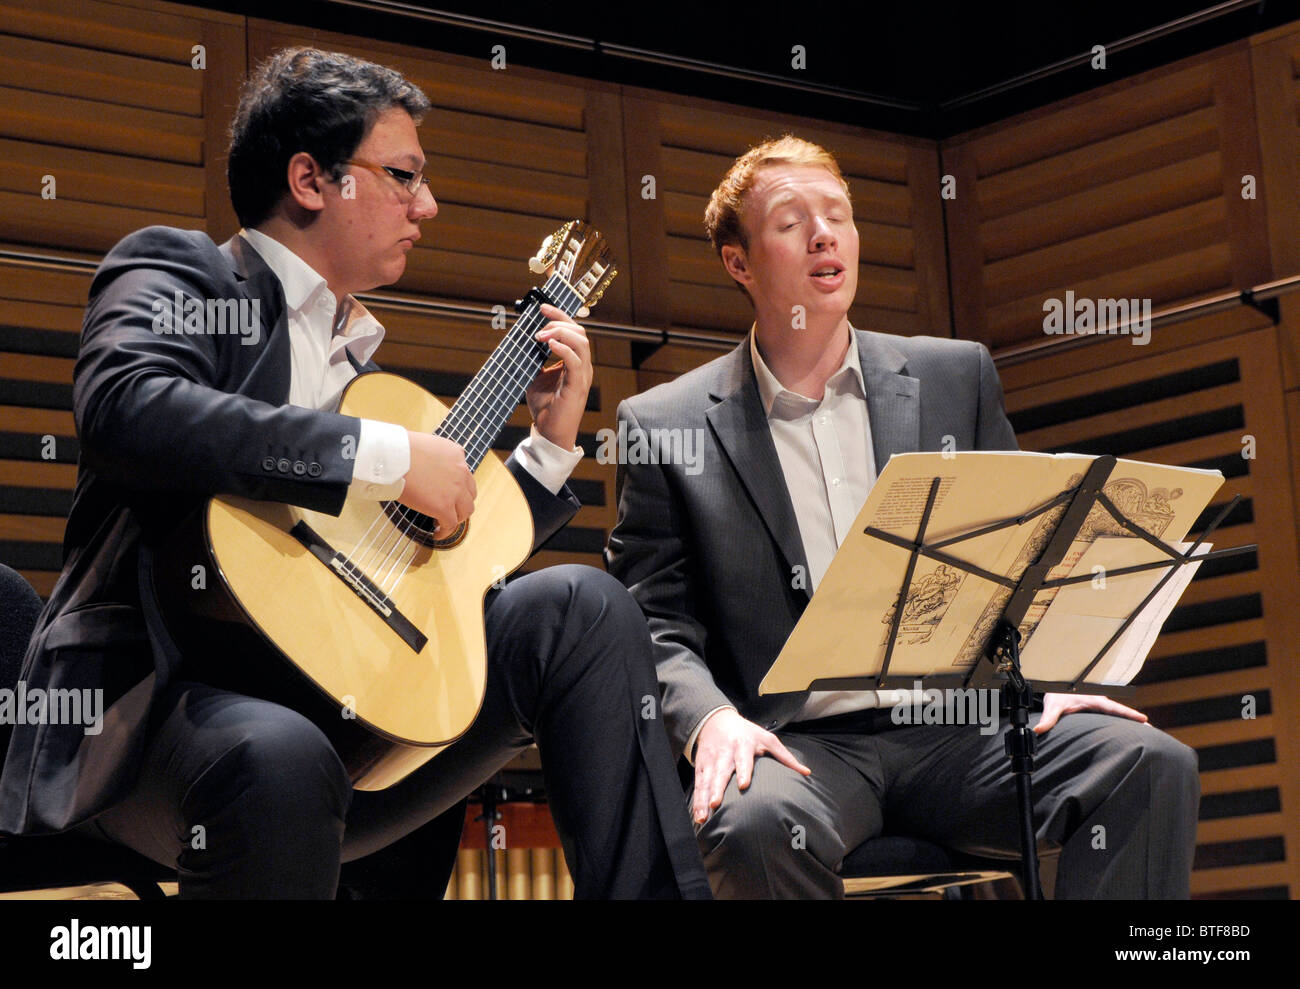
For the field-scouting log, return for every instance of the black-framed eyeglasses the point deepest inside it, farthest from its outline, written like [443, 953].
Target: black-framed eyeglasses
[410, 181]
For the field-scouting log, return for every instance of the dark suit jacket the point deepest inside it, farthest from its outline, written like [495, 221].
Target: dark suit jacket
[164, 420]
[709, 555]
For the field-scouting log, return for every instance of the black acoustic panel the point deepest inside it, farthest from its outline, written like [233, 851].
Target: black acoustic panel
[1243, 514]
[1243, 607]
[511, 436]
[32, 446]
[36, 394]
[1242, 563]
[23, 555]
[35, 501]
[1229, 465]
[1126, 396]
[1198, 712]
[1166, 433]
[1203, 662]
[1258, 893]
[1240, 803]
[1247, 851]
[576, 539]
[1236, 755]
[46, 343]
[588, 492]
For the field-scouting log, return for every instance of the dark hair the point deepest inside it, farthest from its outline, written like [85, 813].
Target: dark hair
[305, 99]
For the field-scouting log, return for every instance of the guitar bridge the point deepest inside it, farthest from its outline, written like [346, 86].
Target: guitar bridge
[360, 585]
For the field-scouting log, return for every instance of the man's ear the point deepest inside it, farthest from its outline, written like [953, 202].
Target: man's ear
[737, 265]
[306, 180]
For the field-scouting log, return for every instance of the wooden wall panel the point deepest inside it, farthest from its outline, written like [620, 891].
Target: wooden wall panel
[1234, 634]
[40, 319]
[1133, 190]
[105, 99]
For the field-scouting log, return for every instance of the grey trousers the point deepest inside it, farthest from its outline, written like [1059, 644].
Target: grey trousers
[1119, 798]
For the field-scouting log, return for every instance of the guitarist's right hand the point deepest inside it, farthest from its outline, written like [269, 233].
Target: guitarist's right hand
[439, 483]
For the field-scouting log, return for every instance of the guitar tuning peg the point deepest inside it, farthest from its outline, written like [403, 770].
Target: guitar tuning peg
[540, 261]
[583, 312]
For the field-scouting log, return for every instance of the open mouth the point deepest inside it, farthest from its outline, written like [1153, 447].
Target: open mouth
[827, 271]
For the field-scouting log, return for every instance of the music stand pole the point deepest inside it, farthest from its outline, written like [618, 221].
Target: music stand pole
[1017, 697]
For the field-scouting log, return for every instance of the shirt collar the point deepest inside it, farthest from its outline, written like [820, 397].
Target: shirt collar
[770, 389]
[303, 285]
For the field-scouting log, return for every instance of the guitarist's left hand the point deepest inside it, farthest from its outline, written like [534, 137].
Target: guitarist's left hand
[558, 397]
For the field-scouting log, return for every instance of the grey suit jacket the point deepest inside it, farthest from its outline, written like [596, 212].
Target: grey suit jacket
[164, 421]
[708, 550]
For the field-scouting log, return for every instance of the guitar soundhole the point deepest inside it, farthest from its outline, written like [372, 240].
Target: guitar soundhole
[420, 527]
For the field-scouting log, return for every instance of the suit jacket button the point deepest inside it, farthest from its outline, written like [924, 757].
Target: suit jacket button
[283, 465]
[314, 469]
[268, 463]
[299, 468]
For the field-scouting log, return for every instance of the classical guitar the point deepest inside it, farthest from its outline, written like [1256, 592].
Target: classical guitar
[365, 622]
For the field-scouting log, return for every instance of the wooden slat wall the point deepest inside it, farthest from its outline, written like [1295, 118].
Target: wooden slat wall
[40, 312]
[678, 280]
[1234, 634]
[105, 99]
[1134, 191]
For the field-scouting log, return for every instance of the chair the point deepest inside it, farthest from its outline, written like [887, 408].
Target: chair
[894, 865]
[48, 862]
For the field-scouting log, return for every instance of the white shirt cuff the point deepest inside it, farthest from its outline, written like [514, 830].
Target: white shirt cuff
[690, 742]
[550, 465]
[383, 458]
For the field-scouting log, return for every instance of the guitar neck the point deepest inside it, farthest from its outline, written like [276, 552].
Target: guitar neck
[481, 412]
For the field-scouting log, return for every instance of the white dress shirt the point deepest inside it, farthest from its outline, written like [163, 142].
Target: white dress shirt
[829, 464]
[322, 334]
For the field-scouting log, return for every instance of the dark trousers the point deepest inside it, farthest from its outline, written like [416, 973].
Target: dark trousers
[247, 798]
[1117, 797]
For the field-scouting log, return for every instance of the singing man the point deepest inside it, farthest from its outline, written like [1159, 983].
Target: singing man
[798, 421]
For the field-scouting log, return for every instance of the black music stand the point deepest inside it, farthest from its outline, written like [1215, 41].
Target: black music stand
[1003, 649]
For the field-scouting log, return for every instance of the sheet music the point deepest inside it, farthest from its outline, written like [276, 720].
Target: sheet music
[948, 613]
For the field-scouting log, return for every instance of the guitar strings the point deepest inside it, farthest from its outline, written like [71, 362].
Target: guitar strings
[511, 364]
[487, 402]
[484, 401]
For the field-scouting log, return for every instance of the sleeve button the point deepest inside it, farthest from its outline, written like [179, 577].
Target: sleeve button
[299, 468]
[268, 463]
[314, 469]
[283, 465]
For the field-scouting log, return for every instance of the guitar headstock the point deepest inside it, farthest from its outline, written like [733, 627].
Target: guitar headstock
[578, 253]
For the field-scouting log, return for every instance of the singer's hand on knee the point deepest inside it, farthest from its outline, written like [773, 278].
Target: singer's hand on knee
[439, 483]
[1057, 706]
[729, 744]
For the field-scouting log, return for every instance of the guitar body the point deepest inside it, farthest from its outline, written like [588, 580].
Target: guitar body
[387, 706]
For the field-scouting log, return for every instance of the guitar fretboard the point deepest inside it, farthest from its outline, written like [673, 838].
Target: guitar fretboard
[483, 408]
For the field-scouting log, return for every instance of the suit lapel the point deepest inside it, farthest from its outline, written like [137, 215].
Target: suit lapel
[893, 398]
[742, 431]
[270, 376]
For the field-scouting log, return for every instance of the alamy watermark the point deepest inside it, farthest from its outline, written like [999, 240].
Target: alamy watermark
[652, 446]
[962, 706]
[23, 705]
[1082, 316]
[188, 316]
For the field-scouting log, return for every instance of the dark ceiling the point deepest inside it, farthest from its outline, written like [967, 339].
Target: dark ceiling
[925, 68]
